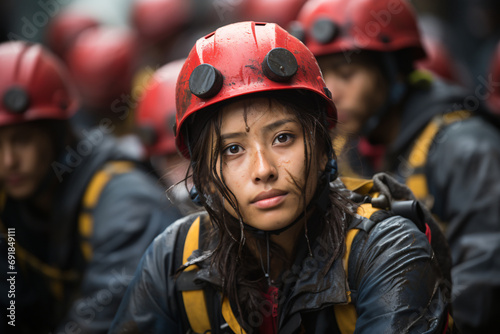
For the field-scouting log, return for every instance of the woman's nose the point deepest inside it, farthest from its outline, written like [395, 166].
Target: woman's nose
[264, 168]
[7, 156]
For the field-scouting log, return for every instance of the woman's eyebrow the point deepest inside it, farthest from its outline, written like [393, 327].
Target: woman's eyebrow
[277, 124]
[231, 135]
[267, 128]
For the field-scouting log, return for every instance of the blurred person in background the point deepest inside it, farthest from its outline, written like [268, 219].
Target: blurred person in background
[436, 137]
[439, 60]
[63, 29]
[102, 62]
[158, 24]
[155, 122]
[82, 210]
[474, 33]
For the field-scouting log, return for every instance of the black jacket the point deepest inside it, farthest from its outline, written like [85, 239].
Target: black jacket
[394, 281]
[131, 211]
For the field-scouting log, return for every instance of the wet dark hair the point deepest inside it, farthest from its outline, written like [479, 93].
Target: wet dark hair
[244, 284]
[58, 130]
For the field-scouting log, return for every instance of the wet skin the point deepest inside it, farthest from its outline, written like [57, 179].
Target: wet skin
[263, 162]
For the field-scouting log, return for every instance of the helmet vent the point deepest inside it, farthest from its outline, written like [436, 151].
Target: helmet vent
[279, 65]
[297, 30]
[205, 81]
[16, 100]
[324, 30]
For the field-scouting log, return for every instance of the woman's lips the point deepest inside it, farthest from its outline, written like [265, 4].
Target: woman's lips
[269, 199]
[14, 180]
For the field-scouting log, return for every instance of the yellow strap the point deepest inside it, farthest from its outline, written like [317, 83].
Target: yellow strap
[450, 322]
[418, 156]
[357, 185]
[418, 185]
[56, 276]
[194, 300]
[48, 271]
[345, 314]
[366, 210]
[90, 198]
[228, 315]
[346, 317]
[351, 234]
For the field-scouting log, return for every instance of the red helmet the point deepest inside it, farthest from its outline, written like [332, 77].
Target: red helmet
[155, 114]
[281, 12]
[64, 28]
[102, 62]
[438, 61]
[494, 98]
[240, 59]
[155, 20]
[334, 26]
[34, 85]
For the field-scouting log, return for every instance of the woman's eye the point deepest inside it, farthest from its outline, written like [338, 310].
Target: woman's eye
[283, 138]
[233, 149]
[347, 74]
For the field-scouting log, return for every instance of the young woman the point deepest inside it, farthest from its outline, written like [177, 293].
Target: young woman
[270, 253]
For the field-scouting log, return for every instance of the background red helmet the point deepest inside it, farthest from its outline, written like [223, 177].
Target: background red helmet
[438, 60]
[240, 59]
[65, 27]
[334, 26]
[155, 114]
[494, 98]
[102, 62]
[156, 20]
[34, 85]
[281, 12]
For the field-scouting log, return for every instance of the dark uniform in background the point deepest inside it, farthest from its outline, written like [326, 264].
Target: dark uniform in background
[74, 260]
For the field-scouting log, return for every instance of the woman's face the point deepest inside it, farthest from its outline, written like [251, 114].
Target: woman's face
[358, 90]
[263, 163]
[26, 154]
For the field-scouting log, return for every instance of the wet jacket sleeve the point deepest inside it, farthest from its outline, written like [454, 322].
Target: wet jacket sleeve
[130, 213]
[395, 281]
[463, 175]
[149, 305]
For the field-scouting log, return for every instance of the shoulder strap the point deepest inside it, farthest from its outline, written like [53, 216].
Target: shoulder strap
[418, 155]
[90, 200]
[194, 300]
[195, 304]
[345, 314]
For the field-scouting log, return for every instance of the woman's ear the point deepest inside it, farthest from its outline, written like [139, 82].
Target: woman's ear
[328, 165]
